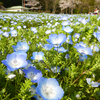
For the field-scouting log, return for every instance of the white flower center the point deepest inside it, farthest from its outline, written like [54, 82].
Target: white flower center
[56, 41]
[82, 51]
[32, 76]
[15, 63]
[38, 57]
[48, 91]
[23, 48]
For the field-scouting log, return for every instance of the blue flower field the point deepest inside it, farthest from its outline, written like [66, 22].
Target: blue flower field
[49, 56]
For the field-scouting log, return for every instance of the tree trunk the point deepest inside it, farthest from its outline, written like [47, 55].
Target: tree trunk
[71, 10]
[46, 5]
[66, 10]
[54, 6]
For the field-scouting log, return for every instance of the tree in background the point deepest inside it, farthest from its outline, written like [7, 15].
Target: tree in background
[97, 4]
[71, 4]
[54, 6]
[33, 4]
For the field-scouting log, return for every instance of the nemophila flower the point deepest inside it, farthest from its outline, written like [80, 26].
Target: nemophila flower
[82, 57]
[6, 34]
[11, 76]
[67, 56]
[20, 71]
[21, 46]
[29, 64]
[53, 30]
[0, 26]
[76, 23]
[83, 38]
[12, 28]
[84, 21]
[37, 56]
[19, 27]
[98, 28]
[20, 52]
[48, 32]
[55, 69]
[32, 90]
[49, 89]
[69, 39]
[92, 83]
[56, 40]
[76, 35]
[4, 28]
[56, 23]
[34, 29]
[63, 18]
[15, 23]
[33, 74]
[80, 44]
[97, 35]
[95, 48]
[48, 46]
[84, 50]
[60, 49]
[13, 33]
[68, 29]
[64, 23]
[24, 26]
[77, 96]
[39, 44]
[12, 22]
[15, 61]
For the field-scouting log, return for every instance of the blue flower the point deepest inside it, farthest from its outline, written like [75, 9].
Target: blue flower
[67, 56]
[64, 23]
[48, 46]
[33, 74]
[29, 64]
[54, 69]
[21, 46]
[34, 29]
[56, 40]
[13, 33]
[32, 90]
[4, 28]
[80, 44]
[69, 40]
[84, 21]
[48, 31]
[68, 29]
[6, 34]
[37, 56]
[76, 35]
[20, 52]
[15, 61]
[12, 28]
[95, 48]
[24, 26]
[83, 57]
[92, 83]
[19, 27]
[49, 89]
[97, 35]
[84, 50]
[60, 49]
